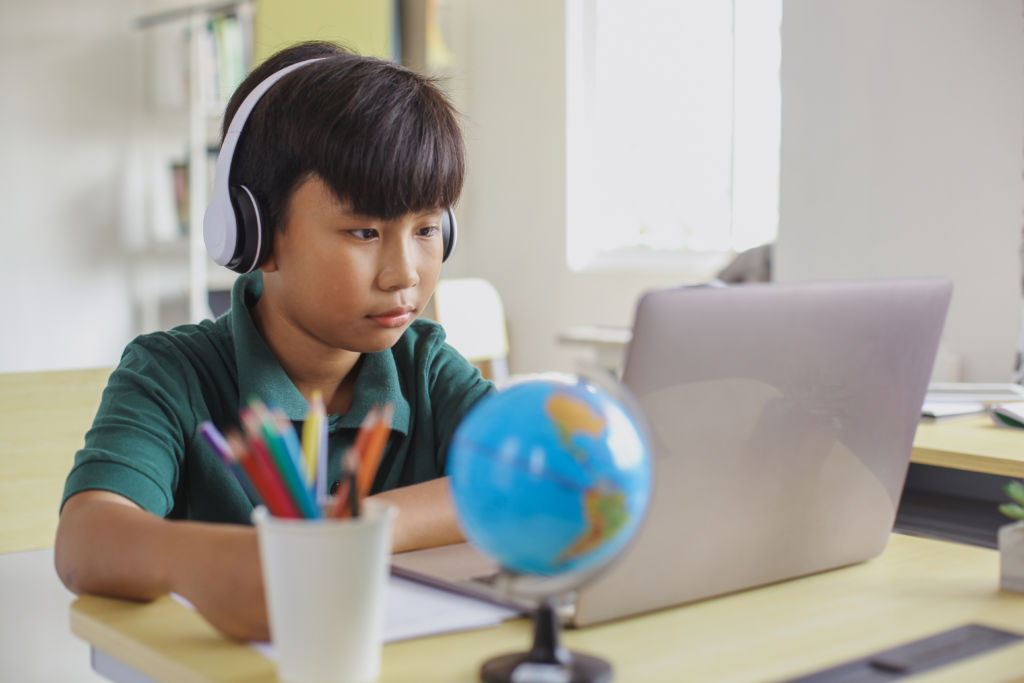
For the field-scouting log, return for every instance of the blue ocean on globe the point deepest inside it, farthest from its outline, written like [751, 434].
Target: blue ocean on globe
[550, 476]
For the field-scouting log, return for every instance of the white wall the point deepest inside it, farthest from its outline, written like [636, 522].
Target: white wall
[513, 213]
[902, 152]
[67, 74]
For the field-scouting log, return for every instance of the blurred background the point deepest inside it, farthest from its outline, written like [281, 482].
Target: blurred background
[613, 148]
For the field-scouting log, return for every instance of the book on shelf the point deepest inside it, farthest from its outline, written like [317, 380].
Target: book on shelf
[179, 178]
[224, 46]
[225, 55]
[181, 186]
[229, 51]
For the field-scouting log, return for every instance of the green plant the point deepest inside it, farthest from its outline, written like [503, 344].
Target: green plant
[1014, 510]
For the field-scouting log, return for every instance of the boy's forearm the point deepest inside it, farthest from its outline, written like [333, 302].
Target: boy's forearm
[121, 551]
[426, 515]
[118, 550]
[112, 549]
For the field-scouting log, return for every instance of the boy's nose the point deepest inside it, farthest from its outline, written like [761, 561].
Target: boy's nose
[398, 270]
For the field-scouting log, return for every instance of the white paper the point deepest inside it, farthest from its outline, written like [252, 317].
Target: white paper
[940, 409]
[414, 610]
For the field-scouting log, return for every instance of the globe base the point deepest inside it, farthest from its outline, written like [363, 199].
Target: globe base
[517, 667]
[547, 661]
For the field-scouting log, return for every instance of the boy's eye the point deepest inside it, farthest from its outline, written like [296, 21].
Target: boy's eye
[363, 233]
[428, 231]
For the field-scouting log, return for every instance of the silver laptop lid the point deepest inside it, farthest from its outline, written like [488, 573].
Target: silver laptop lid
[782, 419]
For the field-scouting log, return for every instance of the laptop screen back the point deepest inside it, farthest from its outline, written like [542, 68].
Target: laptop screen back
[782, 418]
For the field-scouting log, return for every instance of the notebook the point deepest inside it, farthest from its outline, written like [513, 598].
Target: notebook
[782, 419]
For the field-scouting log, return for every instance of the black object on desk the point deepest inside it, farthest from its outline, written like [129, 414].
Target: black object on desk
[916, 657]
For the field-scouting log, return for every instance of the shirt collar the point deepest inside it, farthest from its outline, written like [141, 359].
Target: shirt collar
[260, 374]
[377, 383]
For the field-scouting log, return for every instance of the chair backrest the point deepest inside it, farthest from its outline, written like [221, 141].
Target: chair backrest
[43, 420]
[471, 312]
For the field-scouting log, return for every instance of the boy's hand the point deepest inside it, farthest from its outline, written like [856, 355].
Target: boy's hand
[217, 568]
[426, 515]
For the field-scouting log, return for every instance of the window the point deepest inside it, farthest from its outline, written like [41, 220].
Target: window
[673, 113]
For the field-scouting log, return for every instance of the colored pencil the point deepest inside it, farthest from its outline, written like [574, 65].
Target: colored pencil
[353, 490]
[371, 454]
[322, 453]
[311, 439]
[342, 507]
[365, 427]
[286, 430]
[256, 462]
[221, 447]
[263, 431]
[354, 456]
[346, 501]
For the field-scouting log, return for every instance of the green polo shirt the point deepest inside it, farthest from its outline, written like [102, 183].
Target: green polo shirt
[144, 443]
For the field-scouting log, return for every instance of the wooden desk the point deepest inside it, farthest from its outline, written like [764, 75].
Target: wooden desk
[918, 587]
[43, 420]
[974, 444]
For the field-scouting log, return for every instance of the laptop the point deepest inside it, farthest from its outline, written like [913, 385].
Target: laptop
[781, 417]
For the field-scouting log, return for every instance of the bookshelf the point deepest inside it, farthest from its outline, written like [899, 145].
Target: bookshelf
[198, 55]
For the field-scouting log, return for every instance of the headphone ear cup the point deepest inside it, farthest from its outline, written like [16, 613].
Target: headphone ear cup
[253, 243]
[449, 231]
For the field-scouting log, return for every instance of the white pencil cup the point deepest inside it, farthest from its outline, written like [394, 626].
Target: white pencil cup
[324, 581]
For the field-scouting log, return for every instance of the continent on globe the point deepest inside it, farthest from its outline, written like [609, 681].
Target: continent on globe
[570, 415]
[606, 513]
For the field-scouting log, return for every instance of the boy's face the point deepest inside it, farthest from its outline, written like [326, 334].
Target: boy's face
[348, 281]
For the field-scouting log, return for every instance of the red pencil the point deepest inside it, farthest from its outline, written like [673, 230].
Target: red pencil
[255, 460]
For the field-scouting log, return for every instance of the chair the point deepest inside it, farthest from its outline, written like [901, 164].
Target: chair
[473, 318]
[43, 419]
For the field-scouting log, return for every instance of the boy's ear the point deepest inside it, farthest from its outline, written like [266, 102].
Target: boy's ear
[269, 265]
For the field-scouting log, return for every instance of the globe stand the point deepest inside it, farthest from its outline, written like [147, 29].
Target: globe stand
[547, 660]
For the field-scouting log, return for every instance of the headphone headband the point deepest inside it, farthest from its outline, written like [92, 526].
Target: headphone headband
[220, 225]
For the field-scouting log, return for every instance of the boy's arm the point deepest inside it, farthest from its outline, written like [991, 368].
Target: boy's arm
[107, 545]
[426, 515]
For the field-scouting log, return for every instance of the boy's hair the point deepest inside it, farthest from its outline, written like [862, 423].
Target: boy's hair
[382, 137]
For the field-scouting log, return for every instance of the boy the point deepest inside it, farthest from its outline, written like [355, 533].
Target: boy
[352, 162]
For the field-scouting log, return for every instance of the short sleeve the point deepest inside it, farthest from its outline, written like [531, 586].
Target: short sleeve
[136, 444]
[455, 387]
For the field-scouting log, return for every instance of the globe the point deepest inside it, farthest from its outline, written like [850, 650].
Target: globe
[550, 476]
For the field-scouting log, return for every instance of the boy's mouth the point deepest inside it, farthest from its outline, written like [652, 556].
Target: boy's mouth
[396, 317]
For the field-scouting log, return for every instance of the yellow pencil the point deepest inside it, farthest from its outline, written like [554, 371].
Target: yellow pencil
[311, 437]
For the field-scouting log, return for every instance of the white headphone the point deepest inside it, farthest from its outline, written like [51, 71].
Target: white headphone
[234, 230]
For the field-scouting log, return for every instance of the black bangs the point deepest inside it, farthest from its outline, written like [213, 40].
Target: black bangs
[393, 146]
[383, 138]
